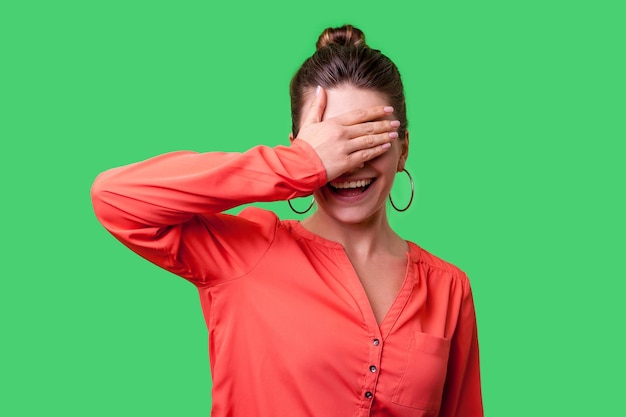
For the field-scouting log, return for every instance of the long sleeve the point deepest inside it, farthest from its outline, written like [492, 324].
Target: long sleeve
[462, 391]
[167, 208]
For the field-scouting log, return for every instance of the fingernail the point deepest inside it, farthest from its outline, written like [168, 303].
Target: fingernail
[393, 135]
[386, 145]
[389, 109]
[395, 123]
[317, 90]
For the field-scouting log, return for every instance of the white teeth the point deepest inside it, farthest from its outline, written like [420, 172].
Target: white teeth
[351, 184]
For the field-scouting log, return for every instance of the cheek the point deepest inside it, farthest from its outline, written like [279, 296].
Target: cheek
[388, 162]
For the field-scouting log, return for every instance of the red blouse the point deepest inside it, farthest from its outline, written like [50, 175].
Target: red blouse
[291, 330]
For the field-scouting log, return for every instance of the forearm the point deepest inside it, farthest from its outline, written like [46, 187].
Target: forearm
[171, 188]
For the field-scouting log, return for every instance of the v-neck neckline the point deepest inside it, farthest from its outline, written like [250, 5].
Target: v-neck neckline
[402, 297]
[396, 307]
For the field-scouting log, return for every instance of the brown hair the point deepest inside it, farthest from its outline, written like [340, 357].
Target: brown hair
[343, 58]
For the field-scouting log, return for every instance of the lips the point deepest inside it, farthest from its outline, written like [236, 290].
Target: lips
[350, 188]
[351, 184]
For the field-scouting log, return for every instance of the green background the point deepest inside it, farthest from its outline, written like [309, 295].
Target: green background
[517, 121]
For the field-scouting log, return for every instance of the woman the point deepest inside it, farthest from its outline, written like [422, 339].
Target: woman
[333, 316]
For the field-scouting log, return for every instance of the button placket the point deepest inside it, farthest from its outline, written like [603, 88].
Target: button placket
[371, 379]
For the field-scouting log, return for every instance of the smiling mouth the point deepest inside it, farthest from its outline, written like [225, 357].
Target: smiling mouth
[350, 188]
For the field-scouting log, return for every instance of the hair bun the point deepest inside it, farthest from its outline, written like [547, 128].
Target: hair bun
[346, 35]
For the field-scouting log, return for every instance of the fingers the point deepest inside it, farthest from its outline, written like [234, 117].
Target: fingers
[357, 158]
[364, 115]
[316, 110]
[368, 135]
[371, 141]
[371, 128]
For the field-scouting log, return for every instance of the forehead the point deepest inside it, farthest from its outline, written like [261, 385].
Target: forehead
[344, 99]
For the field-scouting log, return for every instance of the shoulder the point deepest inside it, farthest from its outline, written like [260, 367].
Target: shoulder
[436, 266]
[267, 223]
[252, 227]
[259, 215]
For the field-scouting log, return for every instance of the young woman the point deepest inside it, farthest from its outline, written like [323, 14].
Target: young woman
[332, 316]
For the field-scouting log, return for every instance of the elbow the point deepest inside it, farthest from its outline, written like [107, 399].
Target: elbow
[114, 206]
[99, 192]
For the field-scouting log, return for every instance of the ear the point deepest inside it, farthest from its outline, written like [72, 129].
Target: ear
[404, 151]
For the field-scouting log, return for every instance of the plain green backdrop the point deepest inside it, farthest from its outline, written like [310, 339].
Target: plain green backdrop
[517, 123]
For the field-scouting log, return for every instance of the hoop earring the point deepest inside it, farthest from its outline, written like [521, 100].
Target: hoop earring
[412, 193]
[301, 212]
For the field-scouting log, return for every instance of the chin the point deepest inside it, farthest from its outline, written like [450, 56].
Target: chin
[354, 215]
[354, 208]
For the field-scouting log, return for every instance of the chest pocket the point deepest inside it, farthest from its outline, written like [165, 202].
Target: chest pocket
[421, 384]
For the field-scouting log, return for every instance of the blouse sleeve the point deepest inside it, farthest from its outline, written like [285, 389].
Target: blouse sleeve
[462, 395]
[168, 209]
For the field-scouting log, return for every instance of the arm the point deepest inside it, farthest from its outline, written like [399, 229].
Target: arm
[462, 395]
[149, 206]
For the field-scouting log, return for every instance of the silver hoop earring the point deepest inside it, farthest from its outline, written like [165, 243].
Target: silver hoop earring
[301, 212]
[412, 193]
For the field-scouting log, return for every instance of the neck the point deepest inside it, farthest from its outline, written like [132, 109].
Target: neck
[366, 239]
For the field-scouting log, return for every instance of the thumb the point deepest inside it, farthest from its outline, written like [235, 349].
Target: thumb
[316, 109]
